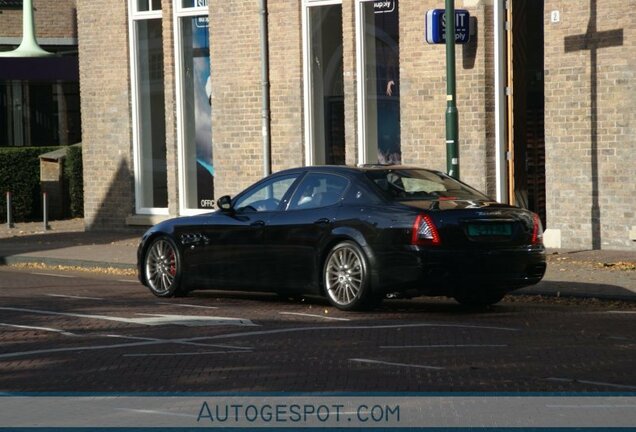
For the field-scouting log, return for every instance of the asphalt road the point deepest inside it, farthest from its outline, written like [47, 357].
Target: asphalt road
[79, 332]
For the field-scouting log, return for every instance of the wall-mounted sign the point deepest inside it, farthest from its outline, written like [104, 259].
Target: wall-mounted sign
[436, 26]
[386, 6]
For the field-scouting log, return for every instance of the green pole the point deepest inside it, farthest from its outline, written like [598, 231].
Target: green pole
[452, 127]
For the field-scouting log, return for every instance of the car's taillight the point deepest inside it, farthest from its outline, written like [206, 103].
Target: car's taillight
[537, 230]
[424, 231]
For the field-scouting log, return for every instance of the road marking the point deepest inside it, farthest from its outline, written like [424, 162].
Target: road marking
[180, 341]
[128, 281]
[621, 312]
[183, 353]
[441, 346]
[46, 329]
[394, 364]
[314, 316]
[187, 305]
[54, 275]
[152, 319]
[354, 327]
[570, 380]
[74, 297]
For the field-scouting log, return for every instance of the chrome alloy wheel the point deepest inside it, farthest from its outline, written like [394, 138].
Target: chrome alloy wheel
[161, 267]
[344, 275]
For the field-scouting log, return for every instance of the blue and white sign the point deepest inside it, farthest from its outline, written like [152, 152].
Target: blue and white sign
[436, 26]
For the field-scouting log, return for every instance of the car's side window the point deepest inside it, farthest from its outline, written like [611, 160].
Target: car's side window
[318, 190]
[267, 196]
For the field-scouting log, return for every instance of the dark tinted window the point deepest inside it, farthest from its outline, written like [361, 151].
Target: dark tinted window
[318, 190]
[415, 184]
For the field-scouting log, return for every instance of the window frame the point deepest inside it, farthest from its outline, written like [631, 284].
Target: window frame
[178, 13]
[133, 16]
[362, 139]
[310, 149]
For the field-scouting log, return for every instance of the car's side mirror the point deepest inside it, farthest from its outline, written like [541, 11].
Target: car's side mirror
[224, 203]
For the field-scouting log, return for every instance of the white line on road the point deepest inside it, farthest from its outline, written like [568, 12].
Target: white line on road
[441, 346]
[570, 380]
[314, 316]
[54, 275]
[187, 305]
[183, 353]
[621, 312]
[370, 361]
[354, 327]
[46, 329]
[128, 281]
[180, 341]
[153, 319]
[74, 297]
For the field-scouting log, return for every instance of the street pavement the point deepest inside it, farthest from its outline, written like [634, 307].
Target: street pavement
[597, 274]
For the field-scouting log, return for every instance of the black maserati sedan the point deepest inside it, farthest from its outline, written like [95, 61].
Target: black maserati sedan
[352, 234]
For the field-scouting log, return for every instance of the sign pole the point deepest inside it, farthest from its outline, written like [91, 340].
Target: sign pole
[452, 127]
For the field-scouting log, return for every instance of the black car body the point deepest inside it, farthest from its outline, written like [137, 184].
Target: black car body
[352, 234]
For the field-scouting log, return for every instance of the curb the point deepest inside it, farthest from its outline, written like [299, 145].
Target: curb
[86, 264]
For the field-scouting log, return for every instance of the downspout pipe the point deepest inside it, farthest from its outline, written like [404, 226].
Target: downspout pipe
[265, 110]
[501, 147]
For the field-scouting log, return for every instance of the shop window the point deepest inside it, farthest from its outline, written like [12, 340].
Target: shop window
[194, 87]
[151, 182]
[379, 83]
[324, 93]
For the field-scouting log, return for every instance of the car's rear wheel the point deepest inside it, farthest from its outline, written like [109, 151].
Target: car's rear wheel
[162, 267]
[346, 277]
[478, 298]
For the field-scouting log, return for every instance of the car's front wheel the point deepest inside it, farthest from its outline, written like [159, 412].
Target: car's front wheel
[346, 277]
[162, 267]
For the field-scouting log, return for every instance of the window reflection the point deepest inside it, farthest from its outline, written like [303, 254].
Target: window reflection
[381, 55]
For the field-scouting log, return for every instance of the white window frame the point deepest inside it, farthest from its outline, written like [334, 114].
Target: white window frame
[180, 12]
[308, 100]
[135, 15]
[363, 152]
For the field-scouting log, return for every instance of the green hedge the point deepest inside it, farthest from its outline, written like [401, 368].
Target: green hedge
[20, 175]
[74, 179]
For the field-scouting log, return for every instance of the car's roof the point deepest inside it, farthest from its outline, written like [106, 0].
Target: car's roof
[352, 169]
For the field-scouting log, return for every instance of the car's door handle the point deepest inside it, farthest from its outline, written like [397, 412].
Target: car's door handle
[322, 221]
[258, 223]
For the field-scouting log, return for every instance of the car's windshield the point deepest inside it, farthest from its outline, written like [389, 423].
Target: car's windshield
[419, 184]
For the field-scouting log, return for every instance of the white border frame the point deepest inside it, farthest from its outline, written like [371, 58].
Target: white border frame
[361, 76]
[134, 15]
[179, 12]
[308, 100]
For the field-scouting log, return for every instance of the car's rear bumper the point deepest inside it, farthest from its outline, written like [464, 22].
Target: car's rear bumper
[442, 271]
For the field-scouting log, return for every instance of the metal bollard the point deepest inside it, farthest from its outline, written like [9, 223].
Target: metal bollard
[9, 215]
[45, 211]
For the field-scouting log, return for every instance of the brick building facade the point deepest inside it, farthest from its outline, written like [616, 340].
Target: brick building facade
[548, 125]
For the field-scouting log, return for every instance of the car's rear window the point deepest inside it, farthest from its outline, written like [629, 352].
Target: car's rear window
[419, 184]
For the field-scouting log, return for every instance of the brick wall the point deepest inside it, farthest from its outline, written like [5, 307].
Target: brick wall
[423, 94]
[236, 94]
[53, 19]
[590, 123]
[106, 114]
[286, 84]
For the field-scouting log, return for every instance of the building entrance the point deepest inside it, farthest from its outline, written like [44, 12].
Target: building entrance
[526, 131]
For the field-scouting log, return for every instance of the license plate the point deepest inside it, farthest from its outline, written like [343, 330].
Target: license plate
[491, 229]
